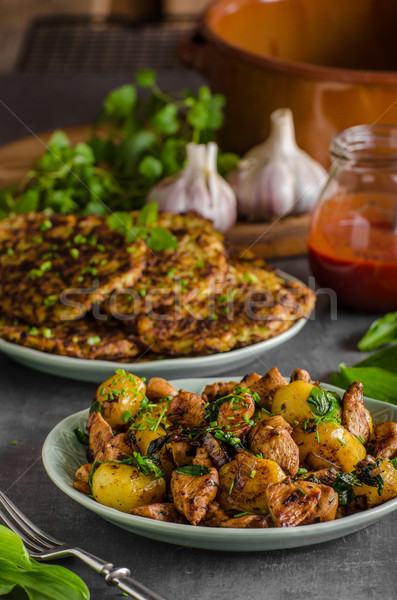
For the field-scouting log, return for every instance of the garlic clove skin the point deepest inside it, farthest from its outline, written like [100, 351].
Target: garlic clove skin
[198, 187]
[277, 178]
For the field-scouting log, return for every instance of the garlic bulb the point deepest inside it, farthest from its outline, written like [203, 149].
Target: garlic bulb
[198, 187]
[277, 178]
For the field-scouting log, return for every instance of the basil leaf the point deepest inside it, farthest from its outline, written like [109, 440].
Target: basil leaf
[82, 436]
[343, 485]
[149, 464]
[39, 581]
[193, 470]
[96, 407]
[324, 404]
[385, 359]
[382, 331]
[365, 476]
[377, 383]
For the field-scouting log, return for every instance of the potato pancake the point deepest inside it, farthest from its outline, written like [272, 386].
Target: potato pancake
[84, 338]
[42, 257]
[260, 306]
[198, 265]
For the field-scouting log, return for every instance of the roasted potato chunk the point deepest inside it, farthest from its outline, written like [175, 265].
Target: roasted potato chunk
[379, 479]
[120, 393]
[123, 487]
[251, 494]
[331, 441]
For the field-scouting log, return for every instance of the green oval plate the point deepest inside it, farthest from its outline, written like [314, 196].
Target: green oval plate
[62, 455]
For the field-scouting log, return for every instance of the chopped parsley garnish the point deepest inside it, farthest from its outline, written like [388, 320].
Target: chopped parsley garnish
[50, 300]
[46, 225]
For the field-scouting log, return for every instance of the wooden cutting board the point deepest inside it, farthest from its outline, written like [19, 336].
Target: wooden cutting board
[285, 237]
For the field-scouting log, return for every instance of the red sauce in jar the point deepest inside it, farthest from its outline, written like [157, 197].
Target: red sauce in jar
[353, 249]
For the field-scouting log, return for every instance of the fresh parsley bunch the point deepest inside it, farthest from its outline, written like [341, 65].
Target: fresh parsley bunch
[138, 139]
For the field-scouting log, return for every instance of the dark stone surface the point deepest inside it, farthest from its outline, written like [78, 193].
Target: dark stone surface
[361, 565]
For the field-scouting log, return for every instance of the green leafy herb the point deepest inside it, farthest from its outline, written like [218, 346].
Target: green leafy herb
[96, 407]
[382, 331]
[193, 470]
[149, 464]
[137, 140]
[18, 571]
[377, 383]
[157, 238]
[367, 476]
[343, 485]
[324, 404]
[82, 436]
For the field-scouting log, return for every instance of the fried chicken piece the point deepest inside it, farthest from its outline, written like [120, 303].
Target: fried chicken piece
[301, 503]
[267, 386]
[386, 440]
[355, 417]
[236, 412]
[182, 452]
[100, 433]
[82, 479]
[273, 441]
[119, 447]
[158, 388]
[187, 410]
[192, 495]
[161, 511]
[300, 375]
[249, 380]
[202, 457]
[212, 391]
[217, 517]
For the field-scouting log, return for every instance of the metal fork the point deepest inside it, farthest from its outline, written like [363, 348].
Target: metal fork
[42, 546]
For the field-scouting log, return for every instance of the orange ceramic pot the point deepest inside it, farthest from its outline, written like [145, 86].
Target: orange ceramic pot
[332, 62]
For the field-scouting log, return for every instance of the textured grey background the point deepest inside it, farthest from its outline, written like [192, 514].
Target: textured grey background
[360, 565]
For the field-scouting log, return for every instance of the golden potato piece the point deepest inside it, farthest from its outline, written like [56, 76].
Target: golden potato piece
[120, 393]
[123, 487]
[385, 474]
[252, 495]
[291, 402]
[332, 442]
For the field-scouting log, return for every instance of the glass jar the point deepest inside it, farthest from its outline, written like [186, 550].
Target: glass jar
[353, 230]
